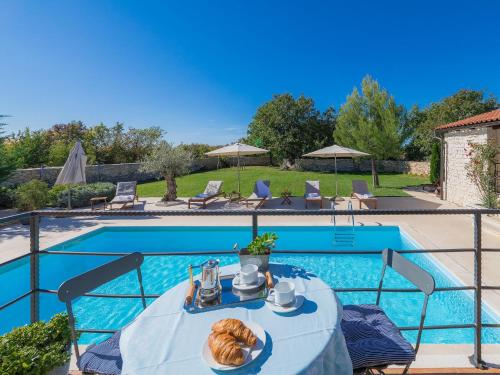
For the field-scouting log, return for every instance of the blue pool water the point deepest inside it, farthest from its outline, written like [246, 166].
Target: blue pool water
[162, 272]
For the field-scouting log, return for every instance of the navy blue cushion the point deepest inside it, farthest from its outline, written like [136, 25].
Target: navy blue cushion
[372, 339]
[103, 358]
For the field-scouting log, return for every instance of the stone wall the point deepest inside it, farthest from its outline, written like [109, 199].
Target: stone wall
[457, 188]
[420, 168]
[122, 172]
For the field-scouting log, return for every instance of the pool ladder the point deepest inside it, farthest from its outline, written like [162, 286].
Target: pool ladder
[343, 238]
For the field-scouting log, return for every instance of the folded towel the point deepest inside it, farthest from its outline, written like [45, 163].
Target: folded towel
[313, 195]
[369, 195]
[262, 189]
[202, 195]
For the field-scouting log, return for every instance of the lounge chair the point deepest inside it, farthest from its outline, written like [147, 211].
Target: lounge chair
[105, 357]
[212, 191]
[126, 192]
[313, 193]
[373, 340]
[360, 191]
[261, 193]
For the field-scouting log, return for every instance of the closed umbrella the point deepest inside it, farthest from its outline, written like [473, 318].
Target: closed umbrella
[335, 152]
[73, 171]
[237, 150]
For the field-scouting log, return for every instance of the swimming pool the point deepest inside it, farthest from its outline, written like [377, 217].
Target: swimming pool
[162, 272]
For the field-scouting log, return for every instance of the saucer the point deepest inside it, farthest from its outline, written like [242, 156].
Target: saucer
[299, 300]
[261, 279]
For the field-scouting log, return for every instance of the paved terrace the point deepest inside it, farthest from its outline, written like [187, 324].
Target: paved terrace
[432, 232]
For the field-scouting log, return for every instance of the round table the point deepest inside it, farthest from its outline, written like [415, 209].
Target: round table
[165, 339]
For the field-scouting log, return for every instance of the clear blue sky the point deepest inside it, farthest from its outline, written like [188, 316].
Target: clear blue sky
[200, 69]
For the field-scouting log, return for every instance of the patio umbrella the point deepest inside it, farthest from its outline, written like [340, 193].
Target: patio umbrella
[335, 152]
[237, 150]
[73, 171]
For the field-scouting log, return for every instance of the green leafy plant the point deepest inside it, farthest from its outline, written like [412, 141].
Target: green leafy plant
[81, 194]
[32, 195]
[7, 197]
[36, 348]
[262, 245]
[481, 171]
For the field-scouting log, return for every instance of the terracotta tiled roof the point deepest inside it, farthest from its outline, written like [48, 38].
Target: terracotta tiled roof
[483, 118]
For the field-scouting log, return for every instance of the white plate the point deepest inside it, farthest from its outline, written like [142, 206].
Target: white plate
[299, 300]
[250, 353]
[261, 279]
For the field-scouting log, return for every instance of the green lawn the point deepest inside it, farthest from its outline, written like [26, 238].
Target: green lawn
[188, 186]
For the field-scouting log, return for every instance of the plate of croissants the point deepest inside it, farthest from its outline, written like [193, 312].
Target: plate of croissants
[233, 344]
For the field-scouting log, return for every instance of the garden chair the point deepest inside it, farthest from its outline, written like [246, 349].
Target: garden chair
[260, 194]
[373, 340]
[126, 192]
[212, 191]
[361, 192]
[313, 193]
[105, 357]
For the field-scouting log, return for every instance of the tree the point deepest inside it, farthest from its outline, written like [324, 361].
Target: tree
[7, 165]
[290, 127]
[462, 104]
[435, 164]
[29, 149]
[170, 162]
[372, 122]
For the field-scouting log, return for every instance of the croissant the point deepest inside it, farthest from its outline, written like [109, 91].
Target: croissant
[225, 349]
[236, 328]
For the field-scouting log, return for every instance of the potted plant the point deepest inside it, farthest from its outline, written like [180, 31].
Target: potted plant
[258, 251]
[31, 196]
[37, 348]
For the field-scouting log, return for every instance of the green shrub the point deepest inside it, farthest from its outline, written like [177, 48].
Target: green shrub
[32, 195]
[435, 164]
[7, 197]
[56, 191]
[81, 194]
[36, 348]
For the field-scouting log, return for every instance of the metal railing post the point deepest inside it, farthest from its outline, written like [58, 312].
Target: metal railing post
[478, 362]
[255, 226]
[34, 267]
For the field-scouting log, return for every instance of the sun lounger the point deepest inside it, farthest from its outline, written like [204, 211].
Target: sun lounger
[126, 192]
[212, 191]
[360, 191]
[261, 193]
[313, 193]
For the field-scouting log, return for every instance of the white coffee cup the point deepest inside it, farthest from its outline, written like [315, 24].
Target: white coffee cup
[249, 274]
[283, 293]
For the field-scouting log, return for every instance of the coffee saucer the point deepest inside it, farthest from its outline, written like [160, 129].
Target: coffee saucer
[261, 279]
[299, 300]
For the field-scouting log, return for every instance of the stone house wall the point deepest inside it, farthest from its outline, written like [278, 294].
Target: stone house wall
[457, 187]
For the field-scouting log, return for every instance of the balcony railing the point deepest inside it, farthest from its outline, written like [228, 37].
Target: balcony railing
[477, 250]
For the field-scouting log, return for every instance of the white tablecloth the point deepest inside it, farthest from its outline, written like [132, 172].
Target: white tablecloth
[165, 339]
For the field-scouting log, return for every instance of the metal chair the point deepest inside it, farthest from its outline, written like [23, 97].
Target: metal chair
[373, 340]
[99, 357]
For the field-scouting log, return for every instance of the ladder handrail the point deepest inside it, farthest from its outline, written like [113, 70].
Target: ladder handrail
[349, 207]
[333, 219]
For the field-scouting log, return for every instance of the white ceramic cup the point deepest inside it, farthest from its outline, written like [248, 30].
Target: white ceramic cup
[249, 274]
[283, 293]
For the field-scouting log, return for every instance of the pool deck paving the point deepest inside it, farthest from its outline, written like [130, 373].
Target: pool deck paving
[430, 231]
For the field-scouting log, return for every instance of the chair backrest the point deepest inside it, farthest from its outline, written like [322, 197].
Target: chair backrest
[126, 188]
[79, 285]
[419, 277]
[258, 191]
[213, 188]
[312, 187]
[360, 187]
